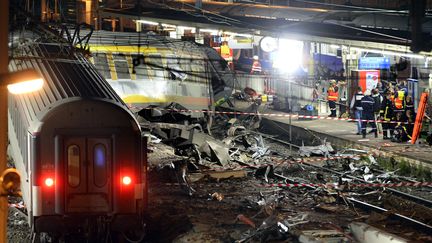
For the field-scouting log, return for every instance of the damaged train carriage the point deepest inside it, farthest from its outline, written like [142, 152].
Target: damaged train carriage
[147, 69]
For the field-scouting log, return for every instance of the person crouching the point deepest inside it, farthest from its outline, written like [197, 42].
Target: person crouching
[367, 103]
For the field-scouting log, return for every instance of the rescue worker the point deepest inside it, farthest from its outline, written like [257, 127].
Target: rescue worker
[401, 133]
[410, 117]
[377, 107]
[399, 101]
[256, 66]
[386, 114]
[409, 104]
[357, 108]
[367, 103]
[332, 97]
[334, 84]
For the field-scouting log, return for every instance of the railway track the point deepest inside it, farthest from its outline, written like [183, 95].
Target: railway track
[368, 206]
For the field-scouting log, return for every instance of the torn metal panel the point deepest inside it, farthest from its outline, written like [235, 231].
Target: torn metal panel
[323, 149]
[216, 151]
[258, 148]
[365, 233]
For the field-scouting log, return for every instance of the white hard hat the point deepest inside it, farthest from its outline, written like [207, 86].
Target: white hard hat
[255, 57]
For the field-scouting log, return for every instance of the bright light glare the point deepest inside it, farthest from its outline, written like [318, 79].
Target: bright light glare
[126, 180]
[383, 52]
[183, 28]
[169, 26]
[238, 34]
[49, 182]
[26, 86]
[211, 31]
[147, 22]
[289, 56]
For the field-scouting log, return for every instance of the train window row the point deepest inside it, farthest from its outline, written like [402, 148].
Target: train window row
[99, 163]
[150, 67]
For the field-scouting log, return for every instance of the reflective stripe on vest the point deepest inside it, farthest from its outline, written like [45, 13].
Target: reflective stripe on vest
[332, 96]
[256, 67]
[398, 103]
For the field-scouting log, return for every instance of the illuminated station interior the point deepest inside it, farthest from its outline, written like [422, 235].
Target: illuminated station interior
[216, 121]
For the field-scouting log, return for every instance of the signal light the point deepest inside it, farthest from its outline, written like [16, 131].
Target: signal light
[49, 182]
[126, 180]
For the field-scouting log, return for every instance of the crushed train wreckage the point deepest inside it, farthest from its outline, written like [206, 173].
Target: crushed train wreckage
[191, 152]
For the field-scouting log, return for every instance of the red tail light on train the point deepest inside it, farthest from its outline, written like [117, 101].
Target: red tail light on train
[49, 182]
[126, 180]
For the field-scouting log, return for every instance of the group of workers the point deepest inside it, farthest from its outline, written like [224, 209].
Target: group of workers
[389, 111]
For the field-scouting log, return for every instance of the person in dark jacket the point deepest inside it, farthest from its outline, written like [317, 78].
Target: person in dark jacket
[367, 103]
[401, 132]
[409, 104]
[410, 117]
[386, 115]
[377, 107]
[357, 108]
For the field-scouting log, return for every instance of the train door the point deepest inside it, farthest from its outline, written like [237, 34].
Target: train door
[88, 174]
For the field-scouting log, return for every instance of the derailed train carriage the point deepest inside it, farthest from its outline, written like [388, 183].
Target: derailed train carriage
[148, 69]
[77, 147]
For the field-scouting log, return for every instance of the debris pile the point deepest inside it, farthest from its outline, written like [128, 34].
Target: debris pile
[225, 162]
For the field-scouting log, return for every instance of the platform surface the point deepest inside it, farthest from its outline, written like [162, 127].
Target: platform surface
[346, 130]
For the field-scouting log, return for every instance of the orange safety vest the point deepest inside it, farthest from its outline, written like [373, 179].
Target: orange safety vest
[256, 67]
[398, 103]
[332, 95]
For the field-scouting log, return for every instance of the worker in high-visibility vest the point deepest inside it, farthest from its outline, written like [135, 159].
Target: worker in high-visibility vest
[256, 66]
[332, 97]
[399, 101]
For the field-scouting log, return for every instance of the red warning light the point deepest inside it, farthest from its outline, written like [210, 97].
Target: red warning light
[49, 182]
[126, 180]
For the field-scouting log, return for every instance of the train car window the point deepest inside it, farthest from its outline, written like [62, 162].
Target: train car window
[142, 69]
[155, 63]
[73, 162]
[99, 165]
[121, 66]
[101, 63]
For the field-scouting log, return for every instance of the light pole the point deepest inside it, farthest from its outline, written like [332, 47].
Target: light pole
[17, 83]
[4, 59]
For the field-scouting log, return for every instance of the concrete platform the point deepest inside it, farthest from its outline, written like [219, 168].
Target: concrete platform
[341, 134]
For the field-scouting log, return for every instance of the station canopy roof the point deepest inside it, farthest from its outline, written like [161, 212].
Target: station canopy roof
[365, 25]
